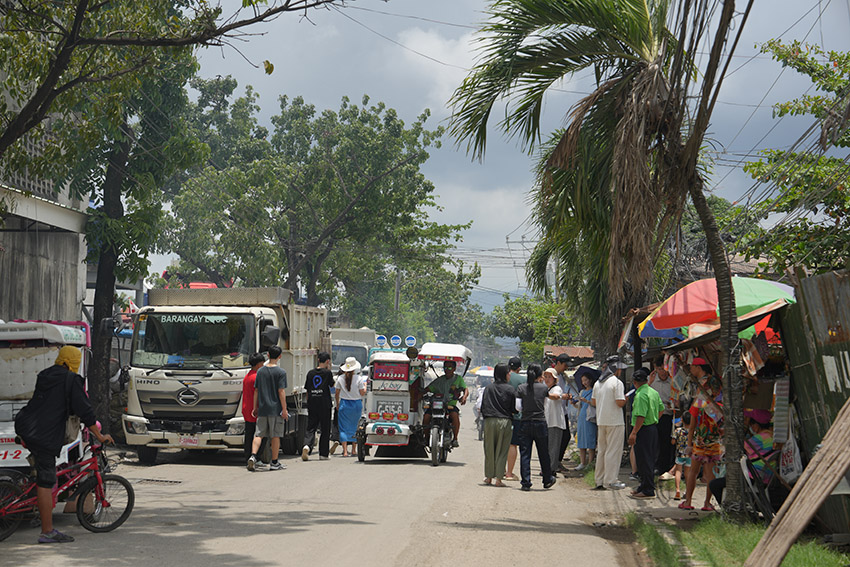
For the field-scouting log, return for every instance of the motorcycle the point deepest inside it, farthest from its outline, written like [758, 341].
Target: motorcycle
[441, 435]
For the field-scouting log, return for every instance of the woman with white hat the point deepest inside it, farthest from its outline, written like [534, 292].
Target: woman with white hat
[350, 390]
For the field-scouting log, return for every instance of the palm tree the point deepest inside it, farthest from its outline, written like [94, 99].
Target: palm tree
[629, 153]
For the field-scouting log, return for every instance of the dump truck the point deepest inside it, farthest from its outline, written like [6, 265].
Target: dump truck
[189, 355]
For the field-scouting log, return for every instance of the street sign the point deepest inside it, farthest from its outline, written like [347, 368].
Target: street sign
[395, 340]
[410, 340]
[381, 340]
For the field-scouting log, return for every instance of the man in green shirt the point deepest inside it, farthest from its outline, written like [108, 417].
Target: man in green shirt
[646, 408]
[453, 389]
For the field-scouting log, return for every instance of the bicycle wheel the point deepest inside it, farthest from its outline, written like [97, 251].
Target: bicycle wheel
[104, 510]
[9, 492]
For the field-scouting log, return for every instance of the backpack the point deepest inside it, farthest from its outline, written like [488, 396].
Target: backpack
[27, 419]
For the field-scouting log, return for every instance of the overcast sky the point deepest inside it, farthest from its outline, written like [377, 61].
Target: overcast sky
[412, 54]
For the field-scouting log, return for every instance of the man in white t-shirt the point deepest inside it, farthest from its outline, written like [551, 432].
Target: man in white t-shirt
[556, 421]
[609, 399]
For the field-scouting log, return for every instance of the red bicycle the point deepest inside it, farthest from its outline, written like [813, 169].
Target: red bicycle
[104, 501]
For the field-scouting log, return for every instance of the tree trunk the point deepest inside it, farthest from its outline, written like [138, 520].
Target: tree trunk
[104, 295]
[730, 356]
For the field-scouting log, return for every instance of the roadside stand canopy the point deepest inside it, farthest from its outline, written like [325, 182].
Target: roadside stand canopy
[697, 304]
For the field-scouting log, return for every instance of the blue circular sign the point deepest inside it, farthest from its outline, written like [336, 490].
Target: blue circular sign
[410, 340]
[380, 340]
[395, 340]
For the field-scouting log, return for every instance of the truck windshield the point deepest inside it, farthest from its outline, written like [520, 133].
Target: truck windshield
[193, 340]
[340, 352]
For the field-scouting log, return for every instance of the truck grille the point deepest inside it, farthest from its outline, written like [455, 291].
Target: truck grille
[201, 425]
[210, 406]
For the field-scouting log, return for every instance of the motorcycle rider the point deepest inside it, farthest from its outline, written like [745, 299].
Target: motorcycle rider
[452, 387]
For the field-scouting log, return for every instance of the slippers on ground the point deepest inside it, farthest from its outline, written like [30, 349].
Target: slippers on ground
[684, 506]
[511, 477]
[498, 484]
[708, 508]
[487, 481]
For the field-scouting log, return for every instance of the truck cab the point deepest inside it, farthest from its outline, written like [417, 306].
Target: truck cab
[189, 356]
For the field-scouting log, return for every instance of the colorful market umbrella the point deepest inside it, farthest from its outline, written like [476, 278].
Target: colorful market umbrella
[697, 303]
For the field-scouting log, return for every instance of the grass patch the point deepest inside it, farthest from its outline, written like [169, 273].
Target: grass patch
[661, 552]
[723, 544]
[590, 475]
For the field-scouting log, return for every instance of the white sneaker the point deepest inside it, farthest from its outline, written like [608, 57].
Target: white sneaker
[581, 467]
[252, 463]
[323, 458]
[617, 485]
[334, 446]
[305, 453]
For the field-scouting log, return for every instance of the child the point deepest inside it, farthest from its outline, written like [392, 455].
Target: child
[680, 440]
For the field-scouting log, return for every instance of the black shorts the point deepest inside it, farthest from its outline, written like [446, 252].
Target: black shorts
[45, 468]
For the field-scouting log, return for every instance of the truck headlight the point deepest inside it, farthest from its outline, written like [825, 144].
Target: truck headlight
[237, 428]
[135, 427]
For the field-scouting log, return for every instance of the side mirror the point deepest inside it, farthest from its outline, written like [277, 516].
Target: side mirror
[270, 336]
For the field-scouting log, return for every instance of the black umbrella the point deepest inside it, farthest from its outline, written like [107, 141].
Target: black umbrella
[582, 370]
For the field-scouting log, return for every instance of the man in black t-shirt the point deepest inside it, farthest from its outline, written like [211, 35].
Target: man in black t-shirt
[318, 386]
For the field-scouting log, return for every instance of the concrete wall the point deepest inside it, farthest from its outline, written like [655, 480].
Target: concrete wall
[42, 275]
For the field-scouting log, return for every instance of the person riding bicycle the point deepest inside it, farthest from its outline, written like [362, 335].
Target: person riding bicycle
[453, 389]
[41, 426]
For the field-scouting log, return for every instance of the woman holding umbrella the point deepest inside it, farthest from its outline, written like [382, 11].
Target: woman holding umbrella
[586, 428]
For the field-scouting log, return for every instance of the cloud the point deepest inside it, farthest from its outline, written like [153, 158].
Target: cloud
[445, 66]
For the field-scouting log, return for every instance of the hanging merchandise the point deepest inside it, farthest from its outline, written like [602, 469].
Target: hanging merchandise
[790, 464]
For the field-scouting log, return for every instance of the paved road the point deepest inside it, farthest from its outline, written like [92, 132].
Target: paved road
[207, 510]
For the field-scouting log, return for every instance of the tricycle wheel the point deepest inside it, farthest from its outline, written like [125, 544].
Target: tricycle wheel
[102, 508]
[435, 446]
[361, 450]
[9, 492]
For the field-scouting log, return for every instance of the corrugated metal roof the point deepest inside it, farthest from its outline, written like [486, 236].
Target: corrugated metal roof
[571, 351]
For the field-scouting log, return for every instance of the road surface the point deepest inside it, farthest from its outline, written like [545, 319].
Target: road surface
[208, 510]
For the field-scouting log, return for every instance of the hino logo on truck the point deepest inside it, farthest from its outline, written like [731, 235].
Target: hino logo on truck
[188, 396]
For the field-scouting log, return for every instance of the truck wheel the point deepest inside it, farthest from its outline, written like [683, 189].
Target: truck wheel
[147, 455]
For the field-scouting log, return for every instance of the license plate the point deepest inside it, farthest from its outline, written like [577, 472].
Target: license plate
[390, 407]
[438, 404]
[186, 441]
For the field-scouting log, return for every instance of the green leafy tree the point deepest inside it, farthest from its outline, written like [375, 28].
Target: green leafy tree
[122, 173]
[812, 191]
[327, 203]
[50, 52]
[535, 322]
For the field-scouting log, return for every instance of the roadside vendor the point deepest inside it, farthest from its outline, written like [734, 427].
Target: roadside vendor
[453, 389]
[759, 447]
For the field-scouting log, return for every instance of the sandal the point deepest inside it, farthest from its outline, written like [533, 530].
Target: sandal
[511, 477]
[708, 508]
[487, 481]
[684, 506]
